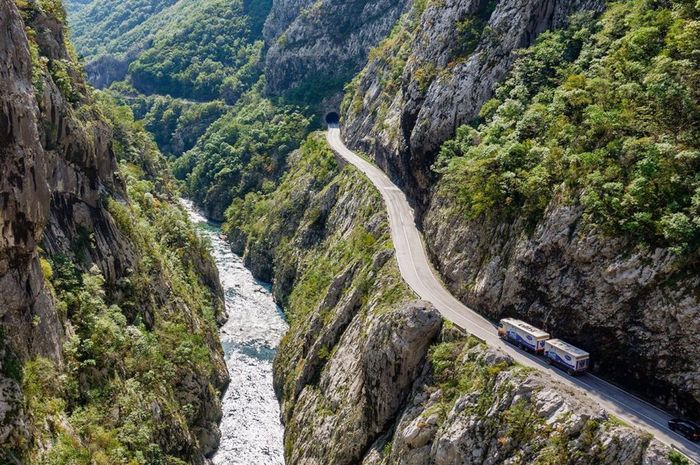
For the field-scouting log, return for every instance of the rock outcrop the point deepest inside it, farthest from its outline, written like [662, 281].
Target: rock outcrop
[442, 62]
[597, 292]
[502, 415]
[106, 69]
[315, 47]
[367, 375]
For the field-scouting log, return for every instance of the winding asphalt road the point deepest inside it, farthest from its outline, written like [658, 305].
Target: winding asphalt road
[418, 272]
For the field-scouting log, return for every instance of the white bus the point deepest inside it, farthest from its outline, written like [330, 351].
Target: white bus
[570, 358]
[523, 334]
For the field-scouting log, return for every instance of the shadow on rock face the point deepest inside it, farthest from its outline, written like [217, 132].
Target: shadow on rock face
[332, 118]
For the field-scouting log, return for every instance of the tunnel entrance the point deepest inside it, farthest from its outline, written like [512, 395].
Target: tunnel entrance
[332, 118]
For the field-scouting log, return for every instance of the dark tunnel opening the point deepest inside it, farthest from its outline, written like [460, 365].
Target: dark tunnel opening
[332, 118]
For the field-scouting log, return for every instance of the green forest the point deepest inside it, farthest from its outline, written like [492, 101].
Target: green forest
[197, 88]
[605, 113]
[186, 63]
[243, 151]
[210, 53]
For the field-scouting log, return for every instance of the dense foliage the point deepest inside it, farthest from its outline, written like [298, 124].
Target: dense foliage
[244, 151]
[175, 124]
[197, 50]
[115, 26]
[74, 6]
[186, 85]
[115, 400]
[212, 52]
[605, 113]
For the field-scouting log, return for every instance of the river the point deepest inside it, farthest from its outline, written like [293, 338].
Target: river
[251, 432]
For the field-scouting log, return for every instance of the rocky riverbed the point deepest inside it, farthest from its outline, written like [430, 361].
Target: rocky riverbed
[250, 429]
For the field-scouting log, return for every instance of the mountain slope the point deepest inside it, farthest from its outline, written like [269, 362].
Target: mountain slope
[568, 198]
[441, 63]
[108, 334]
[244, 151]
[586, 166]
[200, 50]
[367, 374]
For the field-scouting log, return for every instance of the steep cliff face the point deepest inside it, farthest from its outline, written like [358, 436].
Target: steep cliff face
[357, 338]
[25, 190]
[25, 204]
[600, 293]
[369, 375]
[315, 47]
[282, 14]
[596, 268]
[67, 263]
[440, 64]
[620, 281]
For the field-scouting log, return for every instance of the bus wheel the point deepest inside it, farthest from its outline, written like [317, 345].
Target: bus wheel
[570, 372]
[549, 361]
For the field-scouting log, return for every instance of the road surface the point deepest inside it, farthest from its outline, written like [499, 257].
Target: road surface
[418, 272]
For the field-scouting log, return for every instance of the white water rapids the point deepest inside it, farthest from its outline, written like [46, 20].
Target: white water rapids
[250, 428]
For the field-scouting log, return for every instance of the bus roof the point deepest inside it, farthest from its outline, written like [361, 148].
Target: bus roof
[568, 348]
[528, 328]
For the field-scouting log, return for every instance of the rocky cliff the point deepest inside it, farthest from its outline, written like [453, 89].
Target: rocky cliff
[441, 63]
[625, 294]
[73, 272]
[367, 374]
[634, 309]
[315, 47]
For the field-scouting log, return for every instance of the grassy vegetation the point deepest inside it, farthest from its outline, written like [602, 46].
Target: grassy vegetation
[455, 378]
[66, 72]
[677, 458]
[254, 215]
[471, 28]
[604, 113]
